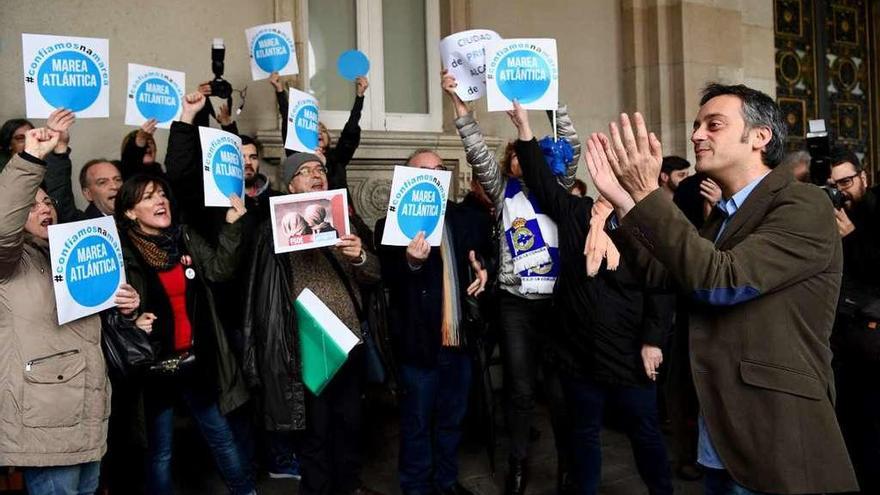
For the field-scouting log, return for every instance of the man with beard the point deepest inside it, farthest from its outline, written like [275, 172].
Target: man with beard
[673, 170]
[855, 344]
[256, 185]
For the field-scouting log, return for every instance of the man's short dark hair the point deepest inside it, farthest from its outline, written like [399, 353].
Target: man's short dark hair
[838, 155]
[8, 130]
[672, 163]
[245, 140]
[84, 171]
[758, 110]
[419, 152]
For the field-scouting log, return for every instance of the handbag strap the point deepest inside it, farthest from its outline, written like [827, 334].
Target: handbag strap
[343, 276]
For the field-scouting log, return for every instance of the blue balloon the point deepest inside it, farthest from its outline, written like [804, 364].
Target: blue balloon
[227, 169]
[93, 271]
[523, 75]
[70, 80]
[157, 99]
[353, 64]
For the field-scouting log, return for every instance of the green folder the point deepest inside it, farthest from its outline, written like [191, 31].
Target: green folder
[324, 341]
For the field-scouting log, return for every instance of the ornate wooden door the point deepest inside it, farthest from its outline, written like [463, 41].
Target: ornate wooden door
[826, 63]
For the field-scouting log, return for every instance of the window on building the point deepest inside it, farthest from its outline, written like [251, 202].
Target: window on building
[400, 37]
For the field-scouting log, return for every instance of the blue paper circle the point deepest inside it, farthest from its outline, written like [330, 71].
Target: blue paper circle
[306, 124]
[70, 80]
[353, 64]
[271, 52]
[420, 209]
[227, 170]
[523, 75]
[92, 271]
[157, 99]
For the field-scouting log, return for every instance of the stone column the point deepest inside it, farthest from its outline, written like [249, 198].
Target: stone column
[672, 48]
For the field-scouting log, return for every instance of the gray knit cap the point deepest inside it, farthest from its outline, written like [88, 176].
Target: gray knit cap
[294, 162]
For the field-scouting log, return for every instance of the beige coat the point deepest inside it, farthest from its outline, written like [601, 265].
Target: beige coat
[54, 410]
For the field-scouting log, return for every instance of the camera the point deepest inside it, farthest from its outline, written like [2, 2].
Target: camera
[219, 86]
[819, 147]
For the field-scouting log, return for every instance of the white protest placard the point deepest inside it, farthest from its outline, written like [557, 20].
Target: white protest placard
[463, 56]
[87, 267]
[302, 122]
[271, 49]
[417, 204]
[308, 220]
[66, 72]
[522, 69]
[222, 166]
[154, 93]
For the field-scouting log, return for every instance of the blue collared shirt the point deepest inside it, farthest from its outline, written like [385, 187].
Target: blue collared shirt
[706, 454]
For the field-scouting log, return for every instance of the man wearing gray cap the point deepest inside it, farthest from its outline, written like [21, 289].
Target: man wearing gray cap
[329, 450]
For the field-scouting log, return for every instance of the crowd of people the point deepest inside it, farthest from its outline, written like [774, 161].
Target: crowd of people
[706, 301]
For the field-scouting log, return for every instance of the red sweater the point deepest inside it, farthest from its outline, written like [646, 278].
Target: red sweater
[174, 283]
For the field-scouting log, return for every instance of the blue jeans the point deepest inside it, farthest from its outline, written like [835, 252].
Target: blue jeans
[719, 482]
[79, 479]
[159, 404]
[432, 408]
[638, 407]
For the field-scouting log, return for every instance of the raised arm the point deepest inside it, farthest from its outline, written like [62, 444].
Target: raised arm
[221, 262]
[19, 182]
[59, 168]
[557, 202]
[283, 107]
[481, 159]
[349, 139]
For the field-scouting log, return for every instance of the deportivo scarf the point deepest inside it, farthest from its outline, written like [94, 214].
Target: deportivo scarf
[532, 239]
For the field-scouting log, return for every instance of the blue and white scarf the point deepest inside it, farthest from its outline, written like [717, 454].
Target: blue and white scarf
[532, 239]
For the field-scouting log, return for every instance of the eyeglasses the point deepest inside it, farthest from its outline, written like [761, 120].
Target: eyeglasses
[307, 172]
[47, 201]
[843, 183]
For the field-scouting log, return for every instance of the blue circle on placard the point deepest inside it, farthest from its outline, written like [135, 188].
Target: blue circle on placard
[92, 271]
[532, 76]
[157, 99]
[306, 124]
[352, 64]
[227, 170]
[419, 209]
[271, 52]
[70, 80]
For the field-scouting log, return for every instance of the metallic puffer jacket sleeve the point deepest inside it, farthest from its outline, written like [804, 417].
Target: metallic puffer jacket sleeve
[482, 159]
[565, 129]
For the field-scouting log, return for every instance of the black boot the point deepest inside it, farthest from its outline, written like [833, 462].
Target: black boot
[517, 478]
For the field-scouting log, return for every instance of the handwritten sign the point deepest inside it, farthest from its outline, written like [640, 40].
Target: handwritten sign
[463, 56]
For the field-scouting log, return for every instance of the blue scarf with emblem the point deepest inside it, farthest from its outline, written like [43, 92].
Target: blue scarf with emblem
[532, 239]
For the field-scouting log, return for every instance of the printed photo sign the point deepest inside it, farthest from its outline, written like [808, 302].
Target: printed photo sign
[525, 70]
[66, 72]
[87, 267]
[271, 49]
[308, 220]
[463, 56]
[154, 93]
[417, 204]
[222, 166]
[302, 122]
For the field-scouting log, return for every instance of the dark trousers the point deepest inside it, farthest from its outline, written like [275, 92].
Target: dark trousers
[858, 412]
[79, 479]
[330, 450]
[719, 482]
[522, 348]
[432, 407]
[638, 409]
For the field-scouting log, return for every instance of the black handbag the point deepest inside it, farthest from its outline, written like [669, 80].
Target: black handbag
[127, 349]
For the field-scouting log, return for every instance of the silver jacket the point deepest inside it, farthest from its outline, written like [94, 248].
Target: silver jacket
[488, 171]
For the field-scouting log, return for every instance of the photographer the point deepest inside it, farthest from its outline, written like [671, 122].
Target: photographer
[855, 342]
